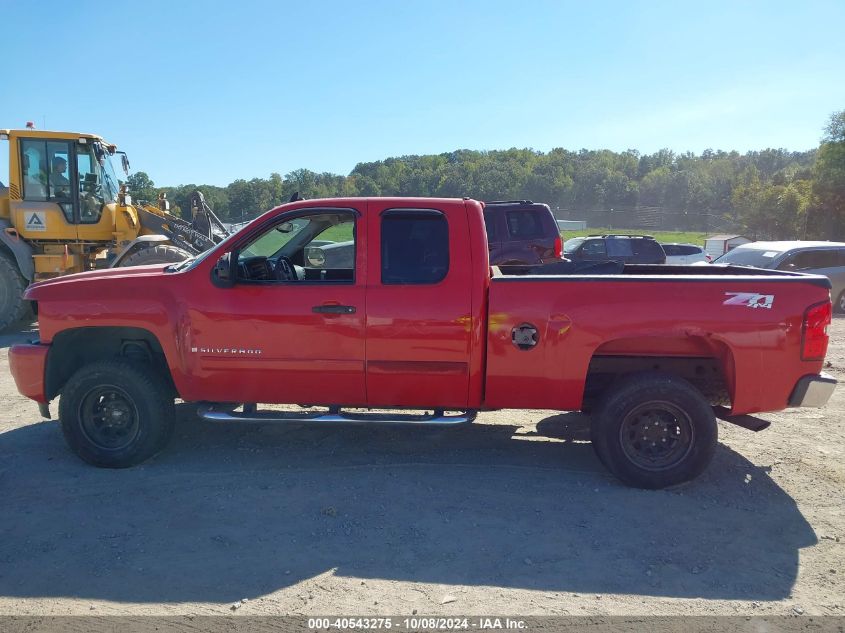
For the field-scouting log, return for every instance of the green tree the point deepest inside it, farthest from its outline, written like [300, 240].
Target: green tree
[828, 216]
[142, 188]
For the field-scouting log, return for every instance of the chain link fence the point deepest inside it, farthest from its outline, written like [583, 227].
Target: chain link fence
[650, 219]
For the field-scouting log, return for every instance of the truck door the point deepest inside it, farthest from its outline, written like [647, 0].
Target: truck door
[418, 306]
[291, 329]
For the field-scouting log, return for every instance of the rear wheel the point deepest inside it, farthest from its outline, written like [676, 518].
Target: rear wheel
[159, 254]
[12, 285]
[839, 306]
[116, 414]
[654, 430]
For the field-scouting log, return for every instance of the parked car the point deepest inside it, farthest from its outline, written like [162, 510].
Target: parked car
[684, 254]
[521, 232]
[818, 258]
[419, 320]
[629, 249]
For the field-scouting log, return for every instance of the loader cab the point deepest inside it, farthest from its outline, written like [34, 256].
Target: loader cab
[61, 186]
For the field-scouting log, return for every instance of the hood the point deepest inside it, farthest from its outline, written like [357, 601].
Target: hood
[129, 272]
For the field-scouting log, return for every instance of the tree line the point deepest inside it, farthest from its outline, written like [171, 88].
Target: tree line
[768, 194]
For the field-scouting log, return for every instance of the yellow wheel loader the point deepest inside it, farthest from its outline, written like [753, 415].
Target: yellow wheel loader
[65, 211]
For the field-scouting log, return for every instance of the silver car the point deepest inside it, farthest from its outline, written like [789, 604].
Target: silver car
[820, 258]
[684, 254]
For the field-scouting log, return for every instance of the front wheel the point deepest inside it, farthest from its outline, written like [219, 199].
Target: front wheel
[116, 414]
[839, 306]
[654, 430]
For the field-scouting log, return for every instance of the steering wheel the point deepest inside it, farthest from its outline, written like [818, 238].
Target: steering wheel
[285, 270]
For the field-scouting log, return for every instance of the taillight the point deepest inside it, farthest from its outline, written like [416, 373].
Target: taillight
[558, 248]
[814, 331]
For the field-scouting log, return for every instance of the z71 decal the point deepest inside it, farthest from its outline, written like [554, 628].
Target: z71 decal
[749, 300]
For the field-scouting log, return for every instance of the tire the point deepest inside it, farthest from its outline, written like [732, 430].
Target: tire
[13, 308]
[159, 254]
[130, 393]
[839, 305]
[653, 430]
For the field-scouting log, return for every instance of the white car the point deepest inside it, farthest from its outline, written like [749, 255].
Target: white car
[684, 254]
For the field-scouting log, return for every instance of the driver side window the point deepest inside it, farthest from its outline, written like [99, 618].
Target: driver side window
[317, 247]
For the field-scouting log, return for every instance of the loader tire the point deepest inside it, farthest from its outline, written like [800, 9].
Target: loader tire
[116, 414]
[159, 254]
[13, 308]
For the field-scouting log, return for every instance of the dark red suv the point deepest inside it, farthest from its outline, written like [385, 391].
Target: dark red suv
[521, 232]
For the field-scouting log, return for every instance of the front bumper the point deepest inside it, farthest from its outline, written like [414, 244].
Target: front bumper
[27, 362]
[813, 390]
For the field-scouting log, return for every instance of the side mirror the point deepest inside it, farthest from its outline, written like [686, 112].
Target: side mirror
[224, 273]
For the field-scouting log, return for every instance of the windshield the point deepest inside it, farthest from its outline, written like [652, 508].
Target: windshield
[748, 257]
[111, 183]
[107, 174]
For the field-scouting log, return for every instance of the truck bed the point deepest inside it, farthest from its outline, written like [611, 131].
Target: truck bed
[736, 318]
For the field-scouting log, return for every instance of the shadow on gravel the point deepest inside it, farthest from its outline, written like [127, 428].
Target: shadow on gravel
[233, 511]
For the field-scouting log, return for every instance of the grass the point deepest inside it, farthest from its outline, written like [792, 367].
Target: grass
[337, 233]
[685, 237]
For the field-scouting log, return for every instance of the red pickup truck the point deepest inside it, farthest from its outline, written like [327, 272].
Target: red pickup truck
[416, 319]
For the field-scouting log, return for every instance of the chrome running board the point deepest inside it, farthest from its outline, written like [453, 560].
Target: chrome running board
[336, 416]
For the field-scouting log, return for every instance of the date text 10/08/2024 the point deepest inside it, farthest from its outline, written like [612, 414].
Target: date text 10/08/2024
[417, 623]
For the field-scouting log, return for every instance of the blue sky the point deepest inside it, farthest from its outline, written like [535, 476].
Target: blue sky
[207, 92]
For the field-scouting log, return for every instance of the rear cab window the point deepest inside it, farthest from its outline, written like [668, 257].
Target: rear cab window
[414, 246]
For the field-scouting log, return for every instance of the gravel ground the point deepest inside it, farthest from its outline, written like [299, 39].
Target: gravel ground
[513, 516]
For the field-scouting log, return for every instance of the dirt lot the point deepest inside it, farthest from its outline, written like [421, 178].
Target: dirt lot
[511, 516]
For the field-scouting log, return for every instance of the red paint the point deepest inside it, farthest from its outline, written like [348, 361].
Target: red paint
[27, 363]
[444, 345]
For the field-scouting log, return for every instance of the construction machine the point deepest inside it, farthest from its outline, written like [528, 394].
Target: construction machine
[65, 211]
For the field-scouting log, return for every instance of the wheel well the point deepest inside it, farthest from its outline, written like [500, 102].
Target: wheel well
[707, 374]
[71, 349]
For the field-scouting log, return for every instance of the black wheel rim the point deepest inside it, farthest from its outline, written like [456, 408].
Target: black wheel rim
[109, 417]
[656, 435]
